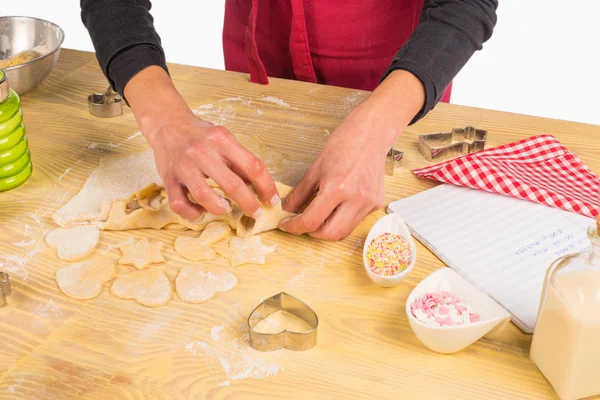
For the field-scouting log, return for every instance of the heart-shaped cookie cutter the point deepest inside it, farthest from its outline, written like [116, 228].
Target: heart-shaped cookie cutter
[5, 289]
[445, 145]
[297, 341]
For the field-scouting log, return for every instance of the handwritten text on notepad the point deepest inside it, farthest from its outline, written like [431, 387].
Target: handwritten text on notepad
[557, 242]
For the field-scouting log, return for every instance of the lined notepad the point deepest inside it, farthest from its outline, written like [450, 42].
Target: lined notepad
[500, 244]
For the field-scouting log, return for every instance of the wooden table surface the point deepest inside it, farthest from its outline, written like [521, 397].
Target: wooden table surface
[54, 347]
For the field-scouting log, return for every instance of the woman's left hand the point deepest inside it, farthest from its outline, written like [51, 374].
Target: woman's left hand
[348, 175]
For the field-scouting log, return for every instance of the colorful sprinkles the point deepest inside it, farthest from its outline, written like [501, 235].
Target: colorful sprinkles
[388, 254]
[443, 309]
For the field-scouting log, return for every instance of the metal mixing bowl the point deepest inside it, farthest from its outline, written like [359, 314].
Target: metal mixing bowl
[18, 34]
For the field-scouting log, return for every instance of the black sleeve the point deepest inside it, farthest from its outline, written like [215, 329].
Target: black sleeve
[124, 38]
[449, 32]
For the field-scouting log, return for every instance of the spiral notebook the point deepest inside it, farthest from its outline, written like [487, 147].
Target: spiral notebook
[501, 244]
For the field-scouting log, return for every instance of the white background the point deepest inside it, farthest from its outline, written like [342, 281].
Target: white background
[543, 58]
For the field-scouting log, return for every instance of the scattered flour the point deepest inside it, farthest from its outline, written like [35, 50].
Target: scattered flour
[277, 101]
[238, 360]
[225, 384]
[112, 145]
[69, 169]
[25, 243]
[92, 145]
[138, 133]
[130, 240]
[48, 310]
[215, 332]
[357, 244]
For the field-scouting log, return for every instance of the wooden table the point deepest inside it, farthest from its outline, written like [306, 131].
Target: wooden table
[54, 347]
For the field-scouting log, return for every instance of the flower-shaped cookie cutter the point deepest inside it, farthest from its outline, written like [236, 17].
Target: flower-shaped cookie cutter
[5, 289]
[445, 145]
[297, 341]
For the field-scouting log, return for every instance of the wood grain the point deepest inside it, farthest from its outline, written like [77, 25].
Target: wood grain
[54, 347]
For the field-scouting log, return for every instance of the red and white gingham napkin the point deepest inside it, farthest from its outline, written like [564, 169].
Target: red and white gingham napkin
[538, 169]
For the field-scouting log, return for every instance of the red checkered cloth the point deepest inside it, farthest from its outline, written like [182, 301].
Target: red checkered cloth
[538, 169]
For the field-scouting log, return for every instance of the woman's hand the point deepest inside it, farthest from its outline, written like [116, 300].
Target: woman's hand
[189, 150]
[348, 175]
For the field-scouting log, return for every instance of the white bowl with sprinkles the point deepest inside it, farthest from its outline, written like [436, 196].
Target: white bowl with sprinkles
[447, 313]
[389, 253]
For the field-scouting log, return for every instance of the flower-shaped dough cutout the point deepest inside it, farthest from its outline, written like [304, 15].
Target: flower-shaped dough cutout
[84, 280]
[196, 249]
[195, 286]
[246, 251]
[73, 243]
[142, 253]
[150, 287]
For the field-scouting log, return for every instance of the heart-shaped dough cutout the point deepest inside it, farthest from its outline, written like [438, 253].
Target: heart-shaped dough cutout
[282, 320]
[150, 287]
[246, 251]
[195, 286]
[196, 249]
[74, 243]
[84, 280]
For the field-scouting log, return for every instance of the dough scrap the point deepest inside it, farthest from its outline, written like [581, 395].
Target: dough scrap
[150, 287]
[75, 243]
[246, 251]
[196, 249]
[247, 226]
[195, 286]
[84, 280]
[142, 253]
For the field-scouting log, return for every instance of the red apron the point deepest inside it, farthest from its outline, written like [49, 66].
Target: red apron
[348, 43]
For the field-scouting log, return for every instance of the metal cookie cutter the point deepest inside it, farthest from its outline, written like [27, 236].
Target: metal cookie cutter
[393, 161]
[284, 339]
[5, 290]
[444, 145]
[106, 105]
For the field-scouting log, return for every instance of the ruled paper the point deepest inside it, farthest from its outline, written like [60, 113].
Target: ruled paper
[500, 244]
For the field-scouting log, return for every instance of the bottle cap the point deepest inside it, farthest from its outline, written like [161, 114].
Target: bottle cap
[3, 85]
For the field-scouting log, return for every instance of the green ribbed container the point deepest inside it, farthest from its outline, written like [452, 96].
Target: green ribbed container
[15, 161]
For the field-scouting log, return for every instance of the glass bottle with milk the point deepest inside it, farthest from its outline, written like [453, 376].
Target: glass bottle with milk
[566, 341]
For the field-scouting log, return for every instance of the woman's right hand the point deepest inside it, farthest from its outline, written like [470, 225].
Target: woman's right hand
[189, 150]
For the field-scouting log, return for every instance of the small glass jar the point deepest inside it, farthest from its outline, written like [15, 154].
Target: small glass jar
[15, 161]
[566, 340]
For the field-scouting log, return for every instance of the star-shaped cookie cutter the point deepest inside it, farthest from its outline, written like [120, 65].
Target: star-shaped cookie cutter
[297, 341]
[5, 289]
[445, 145]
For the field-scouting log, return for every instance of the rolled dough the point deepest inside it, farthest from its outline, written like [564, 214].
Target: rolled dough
[149, 287]
[195, 286]
[75, 243]
[84, 280]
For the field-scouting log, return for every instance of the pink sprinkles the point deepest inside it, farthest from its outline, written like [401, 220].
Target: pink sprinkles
[388, 254]
[442, 309]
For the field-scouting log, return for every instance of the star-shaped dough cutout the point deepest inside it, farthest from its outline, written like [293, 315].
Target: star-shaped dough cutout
[196, 249]
[246, 251]
[142, 253]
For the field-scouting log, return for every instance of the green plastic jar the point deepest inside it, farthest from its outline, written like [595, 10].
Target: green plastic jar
[15, 161]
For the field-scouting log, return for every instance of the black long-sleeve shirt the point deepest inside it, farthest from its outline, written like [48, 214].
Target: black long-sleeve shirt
[449, 32]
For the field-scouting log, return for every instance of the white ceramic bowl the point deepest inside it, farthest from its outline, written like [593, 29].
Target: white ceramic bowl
[450, 339]
[391, 223]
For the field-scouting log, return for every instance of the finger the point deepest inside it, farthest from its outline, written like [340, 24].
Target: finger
[234, 187]
[179, 202]
[301, 193]
[342, 222]
[313, 217]
[254, 170]
[203, 194]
